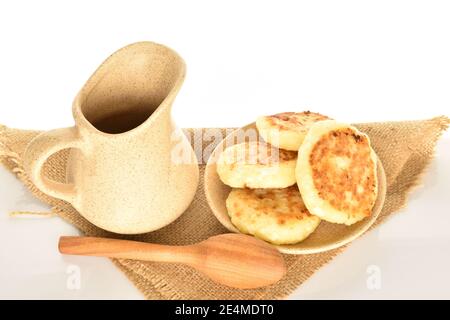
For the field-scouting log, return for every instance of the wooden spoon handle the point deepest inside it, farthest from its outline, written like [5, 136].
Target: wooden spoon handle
[126, 249]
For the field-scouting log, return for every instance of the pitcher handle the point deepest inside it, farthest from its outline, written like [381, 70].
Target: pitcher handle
[39, 150]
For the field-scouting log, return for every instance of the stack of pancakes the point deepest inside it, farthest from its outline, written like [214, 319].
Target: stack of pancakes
[304, 169]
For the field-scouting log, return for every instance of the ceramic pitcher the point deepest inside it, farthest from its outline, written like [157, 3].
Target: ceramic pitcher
[130, 170]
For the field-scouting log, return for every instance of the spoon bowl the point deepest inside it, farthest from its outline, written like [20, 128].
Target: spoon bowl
[241, 261]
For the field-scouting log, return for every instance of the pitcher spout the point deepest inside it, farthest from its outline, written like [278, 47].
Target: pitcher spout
[131, 88]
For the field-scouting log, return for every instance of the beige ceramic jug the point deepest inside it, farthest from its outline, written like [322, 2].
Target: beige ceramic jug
[130, 170]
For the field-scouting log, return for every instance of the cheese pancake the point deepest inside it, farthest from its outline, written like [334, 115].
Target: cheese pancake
[288, 129]
[278, 216]
[336, 173]
[257, 165]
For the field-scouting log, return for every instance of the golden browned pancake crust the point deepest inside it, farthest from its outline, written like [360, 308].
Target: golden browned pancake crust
[288, 129]
[275, 215]
[336, 173]
[335, 184]
[257, 165]
[298, 121]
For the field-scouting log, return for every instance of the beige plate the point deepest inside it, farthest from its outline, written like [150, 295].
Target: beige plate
[327, 236]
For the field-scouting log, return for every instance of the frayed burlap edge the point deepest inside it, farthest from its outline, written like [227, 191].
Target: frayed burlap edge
[443, 122]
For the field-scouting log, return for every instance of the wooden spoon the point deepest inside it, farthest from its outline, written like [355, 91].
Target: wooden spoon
[234, 260]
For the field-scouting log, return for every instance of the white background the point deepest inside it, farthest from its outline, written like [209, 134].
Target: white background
[353, 60]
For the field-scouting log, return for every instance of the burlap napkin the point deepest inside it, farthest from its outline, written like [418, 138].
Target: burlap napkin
[405, 148]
